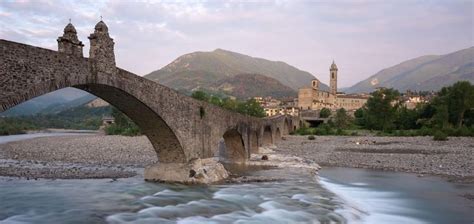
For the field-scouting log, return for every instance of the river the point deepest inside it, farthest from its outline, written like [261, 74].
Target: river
[337, 195]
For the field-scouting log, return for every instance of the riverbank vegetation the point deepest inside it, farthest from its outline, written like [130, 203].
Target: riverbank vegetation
[450, 113]
[13, 126]
[122, 125]
[80, 118]
[249, 107]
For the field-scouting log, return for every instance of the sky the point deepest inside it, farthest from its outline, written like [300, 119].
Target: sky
[363, 37]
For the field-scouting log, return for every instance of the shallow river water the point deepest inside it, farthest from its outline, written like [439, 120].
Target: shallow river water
[337, 195]
[340, 196]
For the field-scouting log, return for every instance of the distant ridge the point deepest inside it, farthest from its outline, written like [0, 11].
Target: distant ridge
[201, 70]
[430, 72]
[50, 103]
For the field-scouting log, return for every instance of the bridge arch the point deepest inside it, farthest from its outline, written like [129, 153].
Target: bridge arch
[234, 147]
[151, 124]
[286, 126]
[254, 142]
[278, 134]
[267, 138]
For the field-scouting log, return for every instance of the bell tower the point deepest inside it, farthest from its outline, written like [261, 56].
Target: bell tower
[315, 84]
[333, 78]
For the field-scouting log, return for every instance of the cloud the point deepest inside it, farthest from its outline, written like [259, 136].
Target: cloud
[362, 36]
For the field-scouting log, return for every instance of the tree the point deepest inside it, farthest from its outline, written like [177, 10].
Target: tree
[359, 115]
[229, 104]
[200, 95]
[254, 108]
[215, 100]
[460, 98]
[250, 107]
[122, 125]
[324, 113]
[341, 119]
[380, 109]
[406, 118]
[440, 119]
[452, 104]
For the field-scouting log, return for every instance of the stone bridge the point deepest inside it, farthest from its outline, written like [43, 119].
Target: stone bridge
[181, 129]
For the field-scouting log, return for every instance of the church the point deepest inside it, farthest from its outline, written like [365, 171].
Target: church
[313, 98]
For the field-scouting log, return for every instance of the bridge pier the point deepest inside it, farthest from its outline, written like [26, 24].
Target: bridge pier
[197, 171]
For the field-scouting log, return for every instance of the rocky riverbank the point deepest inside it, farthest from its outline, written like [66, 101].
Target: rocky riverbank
[76, 157]
[453, 159]
[99, 156]
[96, 156]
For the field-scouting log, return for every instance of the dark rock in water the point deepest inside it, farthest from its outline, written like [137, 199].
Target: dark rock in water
[264, 157]
[192, 173]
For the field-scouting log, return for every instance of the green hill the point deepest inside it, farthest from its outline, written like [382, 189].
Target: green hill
[204, 69]
[426, 73]
[52, 102]
[245, 85]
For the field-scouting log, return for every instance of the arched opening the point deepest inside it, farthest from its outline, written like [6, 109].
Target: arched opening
[163, 139]
[267, 136]
[253, 142]
[278, 134]
[151, 124]
[234, 149]
[286, 127]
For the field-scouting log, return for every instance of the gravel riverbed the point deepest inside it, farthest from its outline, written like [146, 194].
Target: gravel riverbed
[453, 159]
[98, 156]
[77, 157]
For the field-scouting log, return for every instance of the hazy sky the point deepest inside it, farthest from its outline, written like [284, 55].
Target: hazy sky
[363, 37]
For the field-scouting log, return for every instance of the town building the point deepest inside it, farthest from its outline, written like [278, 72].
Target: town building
[314, 98]
[411, 99]
[273, 107]
[281, 110]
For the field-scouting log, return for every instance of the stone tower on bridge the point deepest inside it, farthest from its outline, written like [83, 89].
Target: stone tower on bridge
[69, 43]
[102, 48]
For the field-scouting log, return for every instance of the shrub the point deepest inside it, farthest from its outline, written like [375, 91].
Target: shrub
[424, 131]
[311, 137]
[461, 131]
[354, 133]
[440, 136]
[303, 131]
[324, 113]
[115, 129]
